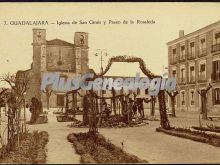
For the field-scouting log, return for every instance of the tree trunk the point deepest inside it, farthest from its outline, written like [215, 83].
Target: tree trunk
[173, 106]
[85, 111]
[204, 107]
[164, 122]
[114, 100]
[92, 115]
[48, 102]
[152, 106]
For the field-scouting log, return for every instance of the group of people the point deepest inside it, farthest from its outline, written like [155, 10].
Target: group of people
[130, 108]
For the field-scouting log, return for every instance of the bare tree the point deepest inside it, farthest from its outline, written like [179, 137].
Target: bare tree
[153, 102]
[164, 122]
[19, 85]
[203, 94]
[172, 96]
[114, 100]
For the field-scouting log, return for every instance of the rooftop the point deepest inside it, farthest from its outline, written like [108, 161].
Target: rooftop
[206, 28]
[59, 42]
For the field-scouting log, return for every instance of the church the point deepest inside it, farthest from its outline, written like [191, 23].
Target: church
[56, 55]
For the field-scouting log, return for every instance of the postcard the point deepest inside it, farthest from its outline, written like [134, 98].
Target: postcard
[115, 82]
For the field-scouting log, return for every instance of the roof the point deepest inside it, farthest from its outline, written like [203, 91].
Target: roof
[194, 32]
[59, 42]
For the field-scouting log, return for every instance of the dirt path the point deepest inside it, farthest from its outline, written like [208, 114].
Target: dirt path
[60, 151]
[156, 147]
[143, 142]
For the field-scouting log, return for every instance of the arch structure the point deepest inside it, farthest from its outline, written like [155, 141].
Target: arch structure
[164, 122]
[128, 59]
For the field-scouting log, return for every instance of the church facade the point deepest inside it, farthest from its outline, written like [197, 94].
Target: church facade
[68, 59]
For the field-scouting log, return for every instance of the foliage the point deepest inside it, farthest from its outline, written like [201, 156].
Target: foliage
[94, 148]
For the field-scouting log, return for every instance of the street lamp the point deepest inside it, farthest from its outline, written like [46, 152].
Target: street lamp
[101, 53]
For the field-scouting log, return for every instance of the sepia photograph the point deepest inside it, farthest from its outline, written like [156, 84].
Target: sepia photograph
[110, 83]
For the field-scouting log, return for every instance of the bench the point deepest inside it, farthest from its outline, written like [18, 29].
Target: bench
[213, 117]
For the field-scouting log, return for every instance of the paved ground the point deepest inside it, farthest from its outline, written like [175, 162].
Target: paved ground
[60, 151]
[141, 141]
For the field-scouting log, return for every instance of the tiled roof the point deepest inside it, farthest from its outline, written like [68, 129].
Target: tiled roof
[59, 42]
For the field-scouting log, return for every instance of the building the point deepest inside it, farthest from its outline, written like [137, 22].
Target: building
[68, 59]
[194, 59]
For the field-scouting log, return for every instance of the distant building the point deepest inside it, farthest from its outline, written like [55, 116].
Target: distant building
[194, 59]
[69, 59]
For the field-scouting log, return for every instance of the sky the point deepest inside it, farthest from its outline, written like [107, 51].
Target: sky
[147, 41]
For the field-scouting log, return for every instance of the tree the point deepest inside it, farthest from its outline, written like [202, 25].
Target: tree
[172, 96]
[85, 110]
[19, 85]
[48, 91]
[114, 100]
[164, 122]
[153, 102]
[203, 94]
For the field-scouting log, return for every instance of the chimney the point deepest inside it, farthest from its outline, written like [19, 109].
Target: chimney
[181, 33]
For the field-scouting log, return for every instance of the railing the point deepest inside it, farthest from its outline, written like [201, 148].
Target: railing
[192, 102]
[202, 52]
[182, 57]
[216, 48]
[216, 76]
[202, 77]
[183, 103]
[182, 80]
[191, 55]
[174, 61]
[192, 79]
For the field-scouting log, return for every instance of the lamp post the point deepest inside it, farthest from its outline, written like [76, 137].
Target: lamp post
[101, 53]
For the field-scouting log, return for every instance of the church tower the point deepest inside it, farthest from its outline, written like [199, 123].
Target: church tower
[39, 60]
[81, 52]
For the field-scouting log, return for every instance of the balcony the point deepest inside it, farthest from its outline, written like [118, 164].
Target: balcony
[192, 102]
[192, 79]
[173, 61]
[202, 52]
[191, 56]
[182, 57]
[216, 76]
[183, 102]
[202, 77]
[216, 48]
[182, 81]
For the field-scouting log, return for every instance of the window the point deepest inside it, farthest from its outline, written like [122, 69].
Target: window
[217, 37]
[82, 38]
[192, 49]
[138, 91]
[192, 102]
[216, 94]
[174, 55]
[182, 52]
[60, 100]
[182, 75]
[183, 98]
[216, 70]
[174, 73]
[202, 72]
[192, 73]
[202, 43]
